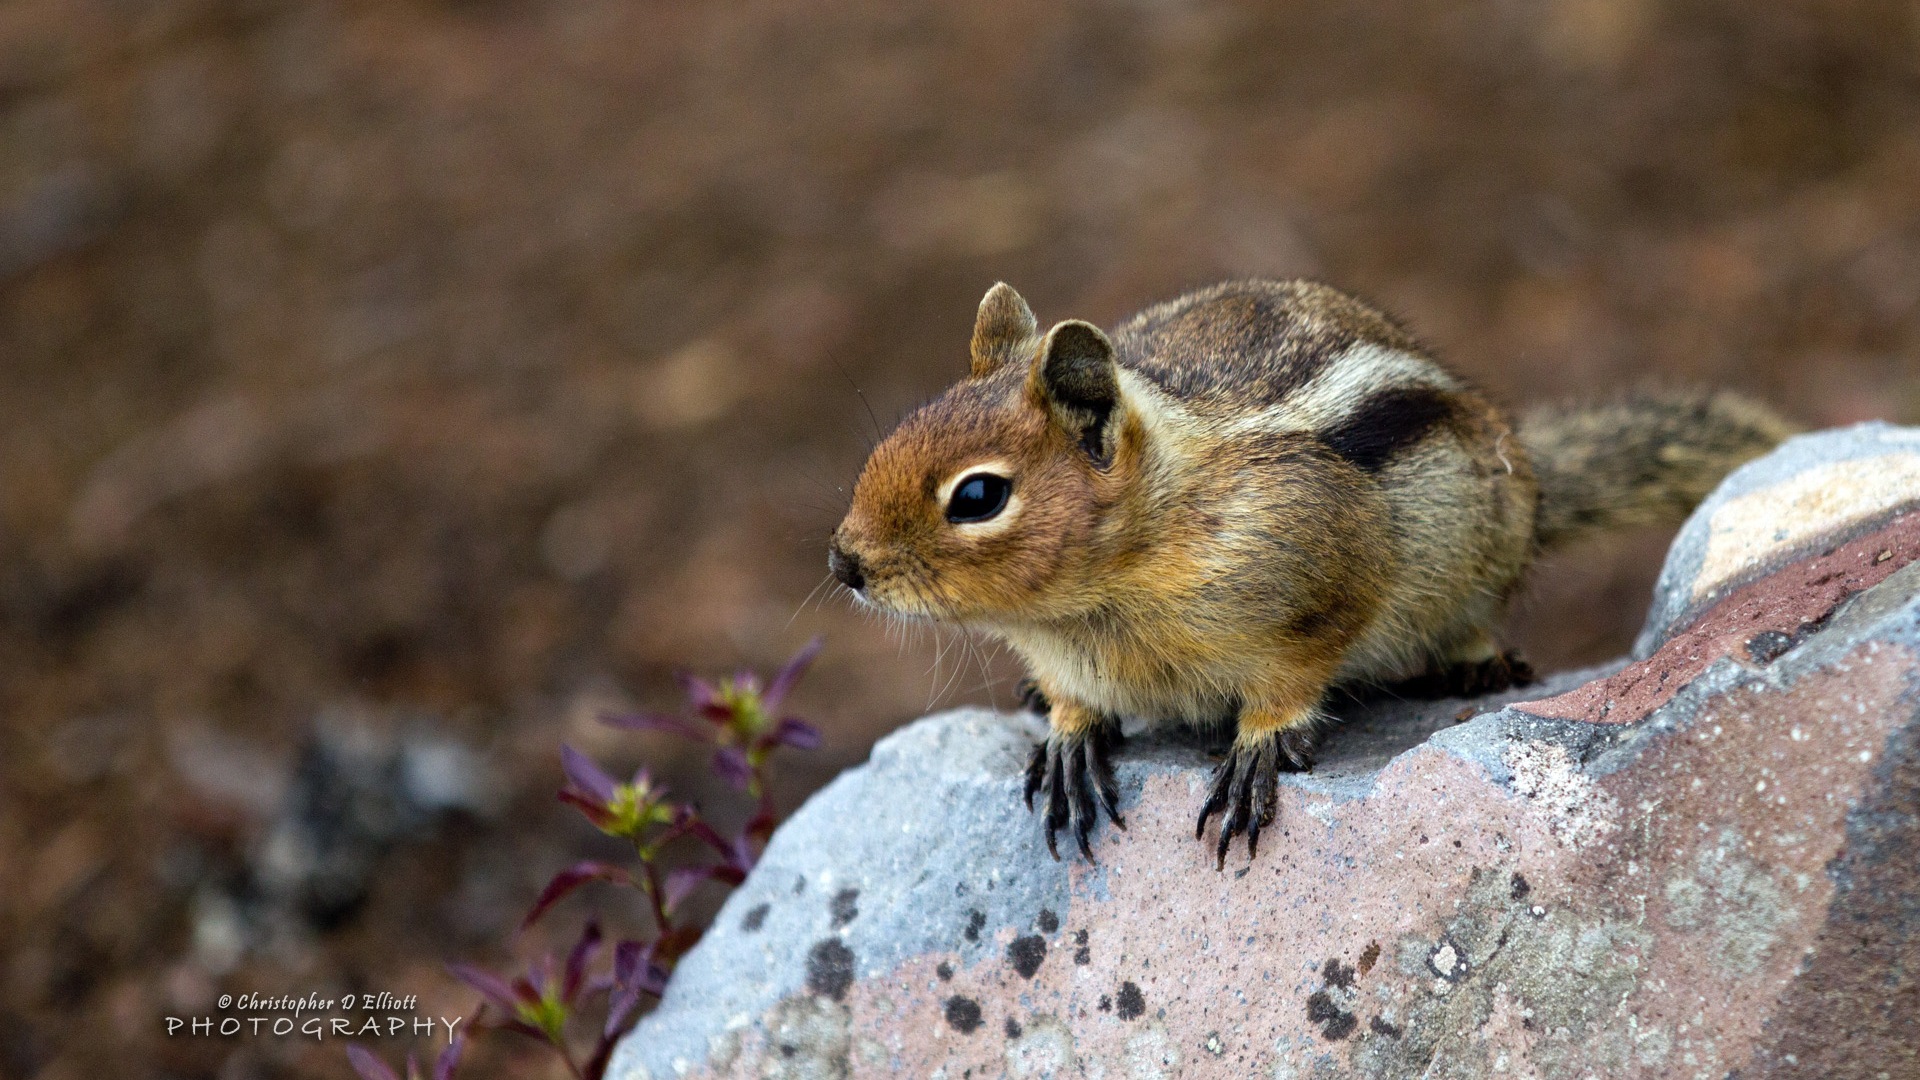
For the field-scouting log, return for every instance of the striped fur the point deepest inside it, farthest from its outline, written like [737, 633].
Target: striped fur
[1232, 502]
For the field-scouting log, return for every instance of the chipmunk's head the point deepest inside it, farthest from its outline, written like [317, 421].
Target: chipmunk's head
[978, 506]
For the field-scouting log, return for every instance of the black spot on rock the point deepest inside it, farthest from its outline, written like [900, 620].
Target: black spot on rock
[1106, 1004]
[1014, 1030]
[964, 1014]
[976, 922]
[1335, 1023]
[1048, 922]
[1379, 1026]
[830, 968]
[1767, 645]
[1337, 973]
[845, 907]
[1130, 1003]
[1026, 953]
[1520, 887]
[755, 918]
[1083, 954]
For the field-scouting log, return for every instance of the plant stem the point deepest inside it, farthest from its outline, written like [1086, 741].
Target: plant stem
[656, 895]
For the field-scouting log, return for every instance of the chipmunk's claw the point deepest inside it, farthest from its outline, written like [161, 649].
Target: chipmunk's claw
[1246, 787]
[1071, 769]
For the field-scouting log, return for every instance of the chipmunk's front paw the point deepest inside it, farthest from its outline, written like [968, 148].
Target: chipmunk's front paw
[1071, 767]
[1246, 786]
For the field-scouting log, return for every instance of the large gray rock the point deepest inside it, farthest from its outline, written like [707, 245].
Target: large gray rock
[1813, 491]
[1701, 863]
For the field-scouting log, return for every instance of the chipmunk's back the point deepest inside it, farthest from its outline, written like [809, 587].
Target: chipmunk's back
[1250, 344]
[1249, 359]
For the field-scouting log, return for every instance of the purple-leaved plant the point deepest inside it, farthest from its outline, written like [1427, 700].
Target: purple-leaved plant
[741, 718]
[372, 1068]
[744, 726]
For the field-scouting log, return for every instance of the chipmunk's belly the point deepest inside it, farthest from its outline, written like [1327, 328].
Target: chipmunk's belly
[1134, 684]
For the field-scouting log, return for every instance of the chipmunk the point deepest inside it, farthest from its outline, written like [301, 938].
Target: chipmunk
[1235, 502]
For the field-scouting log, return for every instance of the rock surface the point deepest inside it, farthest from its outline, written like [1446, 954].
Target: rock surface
[1701, 861]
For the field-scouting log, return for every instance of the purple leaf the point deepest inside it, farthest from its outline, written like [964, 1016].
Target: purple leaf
[790, 674]
[627, 958]
[539, 977]
[367, 1065]
[586, 774]
[672, 725]
[449, 1058]
[740, 848]
[634, 974]
[682, 882]
[686, 822]
[730, 764]
[701, 694]
[619, 1006]
[492, 987]
[595, 812]
[795, 732]
[577, 958]
[570, 879]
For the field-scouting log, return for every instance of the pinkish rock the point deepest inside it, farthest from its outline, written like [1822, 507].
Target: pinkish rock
[1705, 863]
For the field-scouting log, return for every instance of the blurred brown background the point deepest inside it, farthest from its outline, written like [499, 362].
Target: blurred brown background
[386, 388]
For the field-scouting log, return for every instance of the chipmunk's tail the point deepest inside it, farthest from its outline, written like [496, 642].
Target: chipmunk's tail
[1644, 460]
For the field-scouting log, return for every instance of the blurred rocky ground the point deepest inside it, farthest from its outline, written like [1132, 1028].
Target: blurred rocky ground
[388, 388]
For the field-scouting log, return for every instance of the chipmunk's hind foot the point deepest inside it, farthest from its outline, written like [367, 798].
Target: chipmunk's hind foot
[1469, 678]
[1246, 786]
[1071, 768]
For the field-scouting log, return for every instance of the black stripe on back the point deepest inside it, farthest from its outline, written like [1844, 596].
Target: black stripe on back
[1386, 423]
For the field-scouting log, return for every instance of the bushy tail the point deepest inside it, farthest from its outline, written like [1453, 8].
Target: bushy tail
[1646, 460]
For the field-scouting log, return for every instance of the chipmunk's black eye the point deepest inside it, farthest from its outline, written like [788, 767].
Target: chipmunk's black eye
[979, 497]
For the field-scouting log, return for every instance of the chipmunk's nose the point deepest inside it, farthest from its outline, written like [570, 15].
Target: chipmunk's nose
[845, 566]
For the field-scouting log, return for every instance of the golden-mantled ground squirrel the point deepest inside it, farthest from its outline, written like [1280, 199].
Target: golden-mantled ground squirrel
[1235, 502]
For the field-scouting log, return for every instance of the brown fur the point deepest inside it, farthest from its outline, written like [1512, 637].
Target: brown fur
[1237, 500]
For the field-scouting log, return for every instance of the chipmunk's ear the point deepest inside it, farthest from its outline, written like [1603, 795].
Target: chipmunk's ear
[1004, 322]
[1076, 378]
